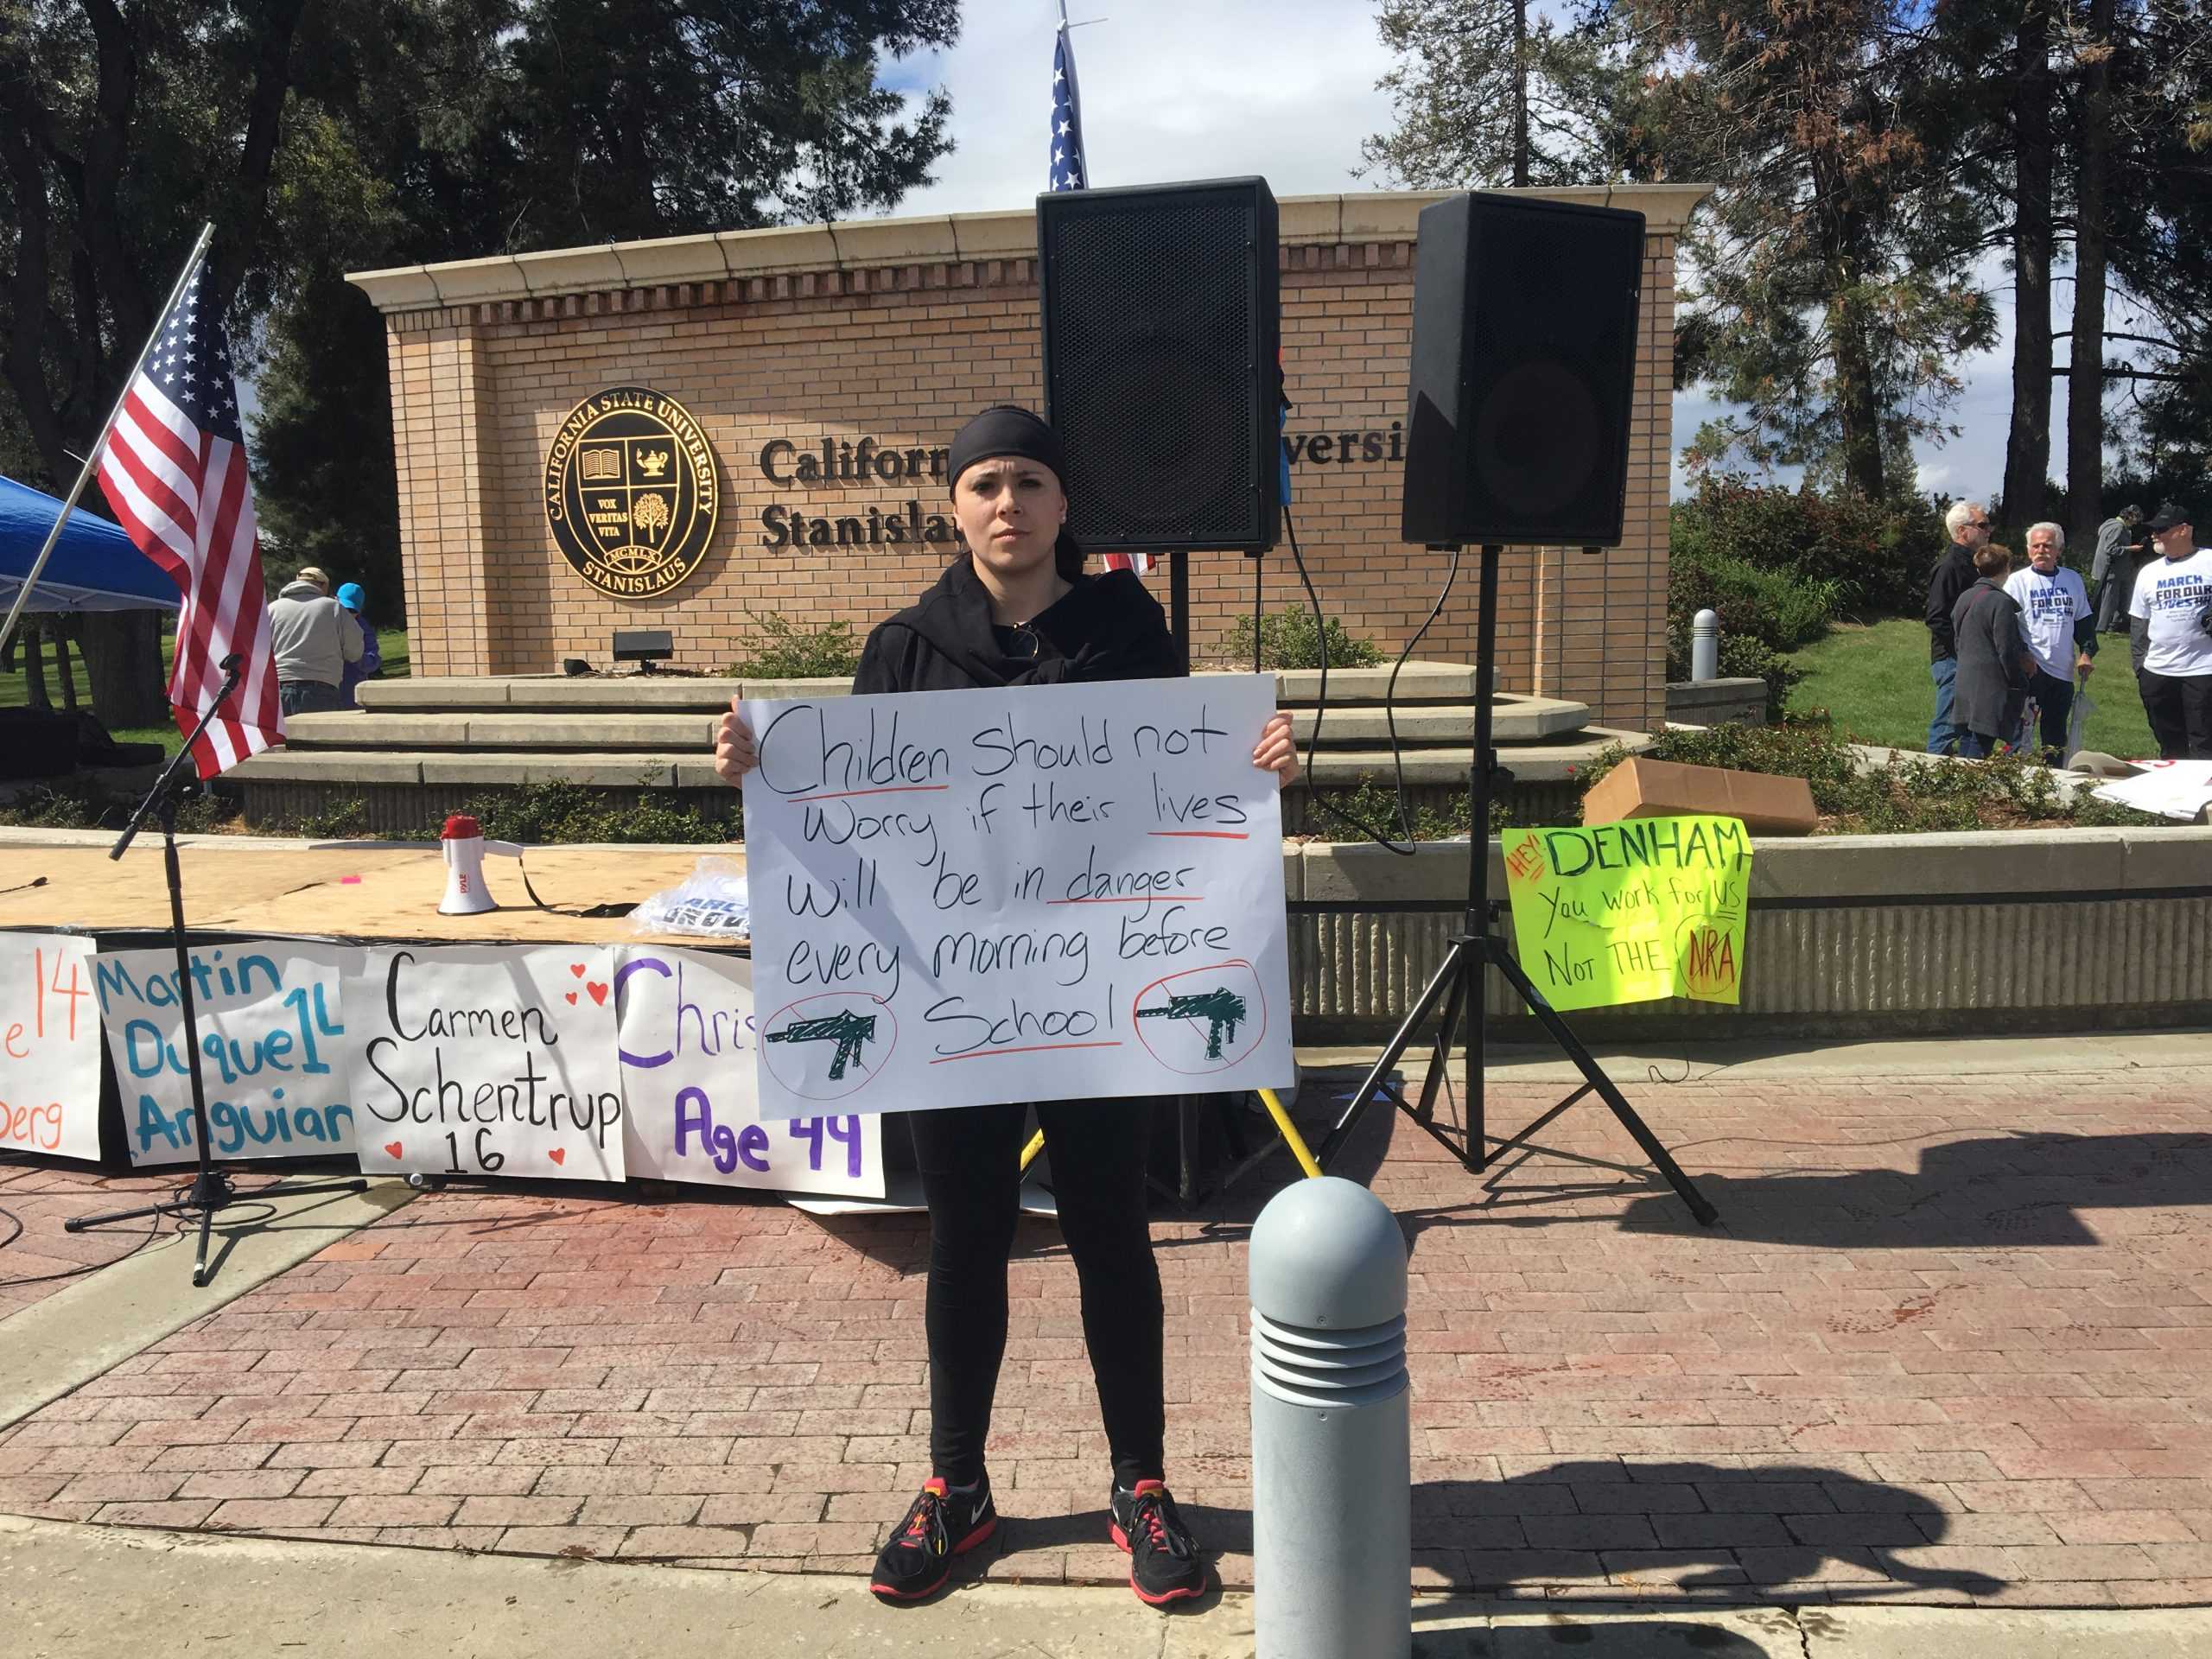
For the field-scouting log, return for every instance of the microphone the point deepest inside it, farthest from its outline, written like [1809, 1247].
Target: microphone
[230, 663]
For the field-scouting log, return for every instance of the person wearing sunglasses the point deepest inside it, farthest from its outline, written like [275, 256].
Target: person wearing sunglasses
[1015, 607]
[1968, 523]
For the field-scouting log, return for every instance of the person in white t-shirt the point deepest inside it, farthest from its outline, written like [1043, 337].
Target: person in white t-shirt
[2173, 647]
[2060, 630]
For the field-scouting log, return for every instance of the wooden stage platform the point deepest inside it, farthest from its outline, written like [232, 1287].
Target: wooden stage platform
[367, 891]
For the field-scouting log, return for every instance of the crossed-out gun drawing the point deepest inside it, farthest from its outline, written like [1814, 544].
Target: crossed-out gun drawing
[1221, 1008]
[849, 1031]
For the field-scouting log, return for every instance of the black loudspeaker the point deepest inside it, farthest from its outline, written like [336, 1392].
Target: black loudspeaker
[1162, 366]
[1523, 372]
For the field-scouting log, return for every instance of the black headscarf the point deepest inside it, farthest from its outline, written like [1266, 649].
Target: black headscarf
[1010, 429]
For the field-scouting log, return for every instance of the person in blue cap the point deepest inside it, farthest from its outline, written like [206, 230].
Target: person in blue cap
[372, 660]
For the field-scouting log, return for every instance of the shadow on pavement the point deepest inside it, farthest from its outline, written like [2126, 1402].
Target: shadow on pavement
[1692, 1524]
[1582, 1636]
[2014, 1190]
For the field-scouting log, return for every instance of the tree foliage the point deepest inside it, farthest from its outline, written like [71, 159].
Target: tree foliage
[1872, 160]
[1484, 94]
[325, 136]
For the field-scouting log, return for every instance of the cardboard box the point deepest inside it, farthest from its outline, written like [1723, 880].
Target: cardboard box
[1640, 788]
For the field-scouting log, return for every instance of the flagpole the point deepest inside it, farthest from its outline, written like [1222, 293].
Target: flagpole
[93, 455]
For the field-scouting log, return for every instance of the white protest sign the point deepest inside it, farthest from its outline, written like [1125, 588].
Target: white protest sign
[273, 1055]
[1040, 892]
[691, 1110]
[2173, 789]
[49, 1046]
[488, 1060]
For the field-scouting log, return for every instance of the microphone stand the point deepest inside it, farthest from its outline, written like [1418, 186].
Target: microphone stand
[212, 1190]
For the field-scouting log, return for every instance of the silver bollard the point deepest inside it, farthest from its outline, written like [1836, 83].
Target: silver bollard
[1331, 1435]
[1705, 646]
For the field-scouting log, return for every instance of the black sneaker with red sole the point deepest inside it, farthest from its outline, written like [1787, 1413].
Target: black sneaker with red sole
[1164, 1564]
[940, 1526]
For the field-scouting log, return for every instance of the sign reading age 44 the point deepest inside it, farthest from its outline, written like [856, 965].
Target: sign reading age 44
[1034, 892]
[1630, 911]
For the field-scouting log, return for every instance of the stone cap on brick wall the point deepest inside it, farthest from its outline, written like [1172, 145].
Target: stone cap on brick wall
[861, 244]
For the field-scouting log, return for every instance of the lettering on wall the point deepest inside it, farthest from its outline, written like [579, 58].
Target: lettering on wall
[788, 464]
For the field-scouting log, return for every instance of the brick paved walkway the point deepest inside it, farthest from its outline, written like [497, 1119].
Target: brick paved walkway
[1950, 1342]
[40, 1199]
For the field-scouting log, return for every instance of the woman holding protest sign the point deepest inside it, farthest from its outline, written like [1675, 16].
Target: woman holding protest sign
[1016, 608]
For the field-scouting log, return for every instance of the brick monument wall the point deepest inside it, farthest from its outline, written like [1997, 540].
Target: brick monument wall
[888, 331]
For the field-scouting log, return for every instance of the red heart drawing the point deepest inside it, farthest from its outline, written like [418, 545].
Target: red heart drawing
[559, 1154]
[598, 993]
[577, 969]
[392, 1147]
[571, 995]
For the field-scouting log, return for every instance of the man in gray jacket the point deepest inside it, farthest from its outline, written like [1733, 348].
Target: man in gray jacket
[313, 636]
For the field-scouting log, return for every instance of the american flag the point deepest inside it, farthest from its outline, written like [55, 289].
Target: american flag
[1067, 172]
[174, 470]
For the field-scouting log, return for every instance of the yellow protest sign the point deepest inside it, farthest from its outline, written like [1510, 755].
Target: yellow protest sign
[1628, 911]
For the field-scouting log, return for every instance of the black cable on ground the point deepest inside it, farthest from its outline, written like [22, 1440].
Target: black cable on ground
[153, 1231]
[1390, 703]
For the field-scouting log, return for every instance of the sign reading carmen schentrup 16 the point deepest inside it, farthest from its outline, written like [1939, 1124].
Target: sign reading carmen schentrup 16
[631, 491]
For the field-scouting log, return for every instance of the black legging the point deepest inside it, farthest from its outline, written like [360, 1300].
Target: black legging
[968, 1158]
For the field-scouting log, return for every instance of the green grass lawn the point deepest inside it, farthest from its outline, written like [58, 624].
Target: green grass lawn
[392, 642]
[1873, 679]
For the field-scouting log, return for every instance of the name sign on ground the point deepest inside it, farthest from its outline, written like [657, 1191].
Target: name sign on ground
[49, 1046]
[1628, 911]
[688, 1039]
[485, 1060]
[1036, 892]
[273, 1050]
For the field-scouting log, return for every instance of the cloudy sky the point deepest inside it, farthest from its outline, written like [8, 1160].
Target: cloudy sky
[1183, 89]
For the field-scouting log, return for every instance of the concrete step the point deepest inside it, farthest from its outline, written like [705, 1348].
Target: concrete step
[1533, 763]
[1513, 721]
[356, 729]
[630, 694]
[694, 768]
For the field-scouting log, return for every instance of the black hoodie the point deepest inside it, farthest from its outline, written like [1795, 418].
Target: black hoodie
[1104, 627]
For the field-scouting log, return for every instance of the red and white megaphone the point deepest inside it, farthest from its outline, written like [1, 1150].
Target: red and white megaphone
[462, 840]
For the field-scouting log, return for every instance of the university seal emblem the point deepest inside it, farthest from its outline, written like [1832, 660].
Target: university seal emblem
[631, 491]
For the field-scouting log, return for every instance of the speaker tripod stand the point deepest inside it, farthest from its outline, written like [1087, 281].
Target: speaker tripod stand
[1458, 984]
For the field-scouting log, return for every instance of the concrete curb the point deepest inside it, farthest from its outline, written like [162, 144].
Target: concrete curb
[81, 1590]
[60, 1344]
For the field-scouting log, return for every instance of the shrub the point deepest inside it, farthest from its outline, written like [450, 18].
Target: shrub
[1287, 641]
[1877, 554]
[1907, 795]
[553, 813]
[1781, 609]
[1372, 805]
[70, 803]
[787, 652]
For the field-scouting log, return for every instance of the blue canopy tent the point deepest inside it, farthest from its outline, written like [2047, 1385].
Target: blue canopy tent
[95, 566]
